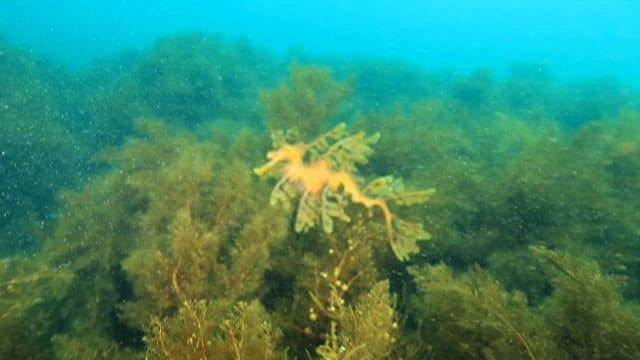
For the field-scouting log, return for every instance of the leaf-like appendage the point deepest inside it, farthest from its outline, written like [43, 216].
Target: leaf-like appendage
[319, 146]
[384, 187]
[282, 192]
[413, 197]
[308, 211]
[405, 237]
[345, 153]
[332, 207]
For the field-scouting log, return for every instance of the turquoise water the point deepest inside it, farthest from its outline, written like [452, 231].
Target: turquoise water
[577, 38]
[319, 180]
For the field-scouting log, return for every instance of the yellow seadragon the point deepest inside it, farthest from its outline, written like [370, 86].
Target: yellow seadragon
[322, 174]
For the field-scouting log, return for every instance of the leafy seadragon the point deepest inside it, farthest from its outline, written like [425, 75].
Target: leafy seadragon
[322, 174]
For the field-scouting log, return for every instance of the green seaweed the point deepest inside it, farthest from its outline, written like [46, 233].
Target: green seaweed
[470, 316]
[306, 103]
[197, 77]
[586, 313]
[30, 295]
[38, 156]
[366, 330]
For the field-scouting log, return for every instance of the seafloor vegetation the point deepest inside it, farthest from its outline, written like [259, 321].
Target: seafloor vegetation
[209, 200]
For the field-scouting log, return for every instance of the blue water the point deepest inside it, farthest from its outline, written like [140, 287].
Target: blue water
[576, 38]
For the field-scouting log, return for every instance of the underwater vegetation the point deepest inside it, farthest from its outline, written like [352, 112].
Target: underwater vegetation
[33, 140]
[178, 240]
[198, 77]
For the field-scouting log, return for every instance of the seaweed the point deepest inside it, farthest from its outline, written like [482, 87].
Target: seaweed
[39, 156]
[306, 103]
[30, 295]
[195, 77]
[90, 241]
[341, 304]
[170, 215]
[202, 252]
[586, 313]
[205, 330]
[367, 330]
[470, 316]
